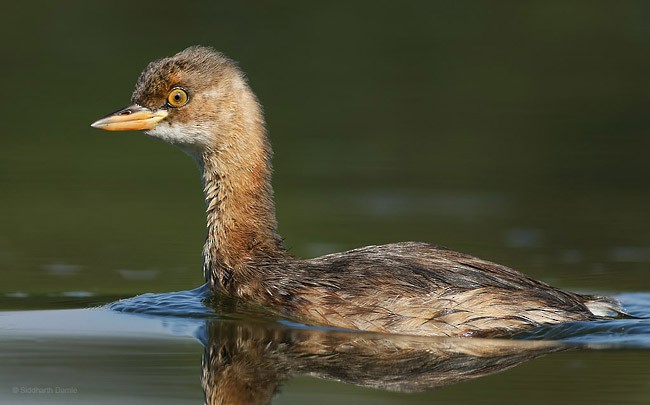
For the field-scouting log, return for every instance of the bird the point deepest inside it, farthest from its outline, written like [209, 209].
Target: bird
[200, 101]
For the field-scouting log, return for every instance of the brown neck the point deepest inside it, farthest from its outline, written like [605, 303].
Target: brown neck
[240, 211]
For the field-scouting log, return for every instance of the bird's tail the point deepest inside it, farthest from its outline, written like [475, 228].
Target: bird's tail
[605, 307]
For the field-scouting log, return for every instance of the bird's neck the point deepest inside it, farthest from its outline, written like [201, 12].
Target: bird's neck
[240, 210]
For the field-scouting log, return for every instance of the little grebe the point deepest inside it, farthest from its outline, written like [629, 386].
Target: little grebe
[200, 101]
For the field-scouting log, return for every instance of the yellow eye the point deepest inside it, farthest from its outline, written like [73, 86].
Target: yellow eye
[177, 97]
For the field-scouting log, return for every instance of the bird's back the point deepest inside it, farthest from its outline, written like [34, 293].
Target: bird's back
[417, 288]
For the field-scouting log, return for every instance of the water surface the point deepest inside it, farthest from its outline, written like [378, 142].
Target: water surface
[176, 347]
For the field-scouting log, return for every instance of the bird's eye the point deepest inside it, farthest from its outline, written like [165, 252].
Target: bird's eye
[177, 97]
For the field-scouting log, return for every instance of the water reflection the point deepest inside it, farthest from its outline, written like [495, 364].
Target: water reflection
[247, 363]
[249, 355]
[250, 352]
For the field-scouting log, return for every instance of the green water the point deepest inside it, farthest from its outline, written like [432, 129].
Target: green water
[514, 131]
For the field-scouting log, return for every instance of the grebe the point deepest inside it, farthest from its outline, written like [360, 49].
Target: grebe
[200, 101]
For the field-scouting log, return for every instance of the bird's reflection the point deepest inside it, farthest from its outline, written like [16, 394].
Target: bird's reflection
[246, 363]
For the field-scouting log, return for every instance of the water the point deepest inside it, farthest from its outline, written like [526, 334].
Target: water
[154, 347]
[517, 133]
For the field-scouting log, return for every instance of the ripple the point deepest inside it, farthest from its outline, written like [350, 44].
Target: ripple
[137, 275]
[633, 332]
[630, 254]
[17, 294]
[62, 269]
[190, 303]
[525, 238]
[77, 294]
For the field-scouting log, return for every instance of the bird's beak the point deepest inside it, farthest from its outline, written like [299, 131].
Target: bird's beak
[131, 118]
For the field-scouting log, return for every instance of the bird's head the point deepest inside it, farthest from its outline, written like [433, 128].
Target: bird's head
[189, 100]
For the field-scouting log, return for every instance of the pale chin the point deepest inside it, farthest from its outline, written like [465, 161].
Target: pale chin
[191, 139]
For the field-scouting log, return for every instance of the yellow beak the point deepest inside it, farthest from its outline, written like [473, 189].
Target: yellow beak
[131, 118]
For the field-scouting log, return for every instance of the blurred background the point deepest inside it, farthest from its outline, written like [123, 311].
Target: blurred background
[515, 131]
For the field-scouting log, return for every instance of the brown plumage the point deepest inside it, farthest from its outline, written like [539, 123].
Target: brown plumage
[199, 100]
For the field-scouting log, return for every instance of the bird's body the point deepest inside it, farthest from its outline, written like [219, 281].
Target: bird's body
[412, 288]
[199, 100]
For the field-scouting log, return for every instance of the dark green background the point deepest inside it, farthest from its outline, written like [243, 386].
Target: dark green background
[516, 131]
